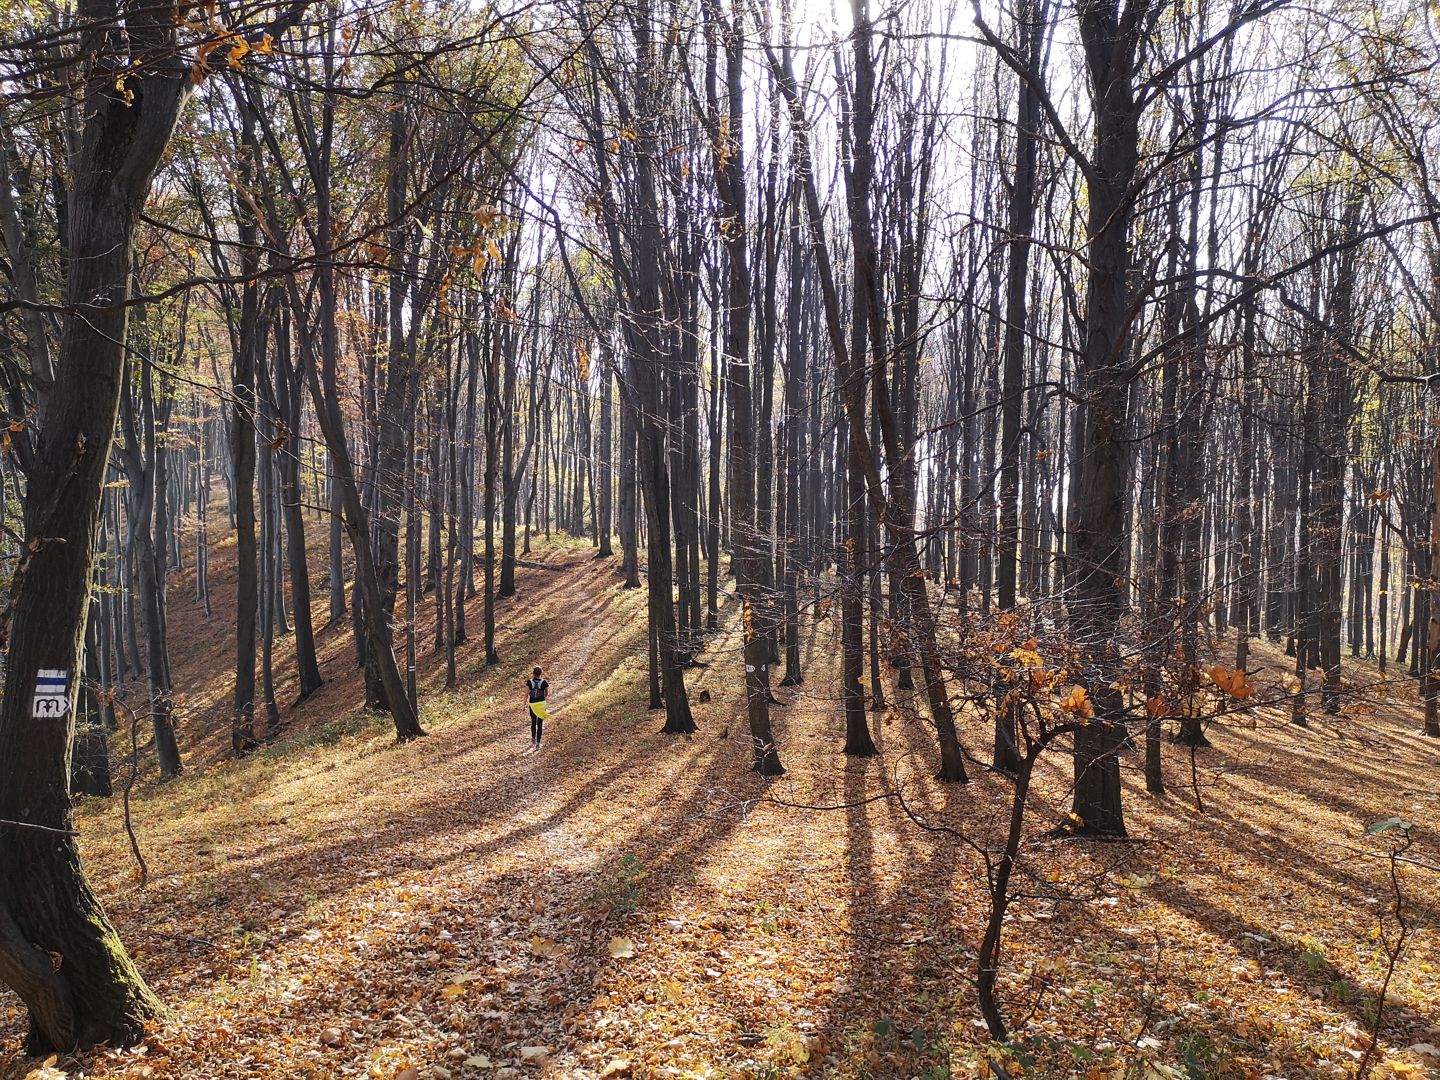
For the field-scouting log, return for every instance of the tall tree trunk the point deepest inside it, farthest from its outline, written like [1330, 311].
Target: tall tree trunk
[746, 541]
[46, 905]
[307, 663]
[1098, 510]
[1030, 20]
[254, 313]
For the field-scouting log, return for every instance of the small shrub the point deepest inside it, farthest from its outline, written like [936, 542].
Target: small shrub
[1198, 1056]
[621, 886]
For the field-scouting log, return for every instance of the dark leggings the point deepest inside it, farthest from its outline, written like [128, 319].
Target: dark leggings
[537, 726]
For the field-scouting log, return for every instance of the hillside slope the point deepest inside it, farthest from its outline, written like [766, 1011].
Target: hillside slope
[629, 903]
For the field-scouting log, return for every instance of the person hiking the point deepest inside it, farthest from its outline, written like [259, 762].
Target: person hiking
[537, 687]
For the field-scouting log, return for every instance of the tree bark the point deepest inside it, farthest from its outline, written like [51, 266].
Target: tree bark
[46, 906]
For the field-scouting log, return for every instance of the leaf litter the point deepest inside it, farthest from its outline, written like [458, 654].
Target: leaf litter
[629, 904]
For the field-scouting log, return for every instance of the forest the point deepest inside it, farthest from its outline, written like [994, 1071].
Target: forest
[720, 538]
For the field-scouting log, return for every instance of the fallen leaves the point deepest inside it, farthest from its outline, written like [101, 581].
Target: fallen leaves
[621, 948]
[48, 1070]
[545, 947]
[445, 917]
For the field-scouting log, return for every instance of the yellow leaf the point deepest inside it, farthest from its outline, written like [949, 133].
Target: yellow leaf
[1078, 703]
[453, 991]
[47, 1071]
[544, 946]
[621, 948]
[1136, 881]
[237, 53]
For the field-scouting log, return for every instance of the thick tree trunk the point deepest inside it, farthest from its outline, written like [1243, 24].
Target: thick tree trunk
[46, 906]
[1098, 511]
[396, 412]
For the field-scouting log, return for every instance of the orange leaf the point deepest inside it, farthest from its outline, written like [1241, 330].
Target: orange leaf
[1078, 703]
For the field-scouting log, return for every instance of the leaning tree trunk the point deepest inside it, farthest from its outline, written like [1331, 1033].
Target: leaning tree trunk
[323, 378]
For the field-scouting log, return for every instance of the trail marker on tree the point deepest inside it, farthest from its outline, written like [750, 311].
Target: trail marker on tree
[52, 694]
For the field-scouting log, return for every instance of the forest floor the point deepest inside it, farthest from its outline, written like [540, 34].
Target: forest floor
[626, 903]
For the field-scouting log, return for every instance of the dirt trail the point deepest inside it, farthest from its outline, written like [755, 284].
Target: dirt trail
[342, 906]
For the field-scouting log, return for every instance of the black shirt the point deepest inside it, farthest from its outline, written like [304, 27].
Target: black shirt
[537, 688]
